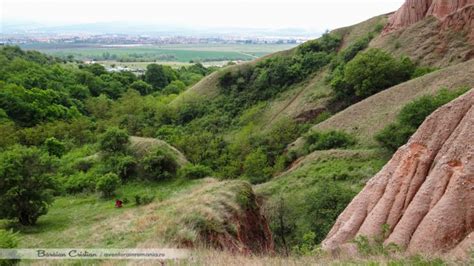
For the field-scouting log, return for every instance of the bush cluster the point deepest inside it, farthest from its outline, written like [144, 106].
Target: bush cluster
[412, 116]
[196, 171]
[26, 185]
[107, 184]
[328, 140]
[160, 165]
[269, 77]
[368, 73]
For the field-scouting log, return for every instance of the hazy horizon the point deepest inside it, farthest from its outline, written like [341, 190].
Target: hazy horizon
[313, 16]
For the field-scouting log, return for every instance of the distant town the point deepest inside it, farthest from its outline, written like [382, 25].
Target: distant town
[134, 39]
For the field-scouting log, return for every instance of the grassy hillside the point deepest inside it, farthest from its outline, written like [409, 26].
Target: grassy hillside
[304, 200]
[183, 214]
[89, 137]
[364, 119]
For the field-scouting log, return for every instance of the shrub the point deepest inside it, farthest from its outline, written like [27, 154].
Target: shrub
[256, 167]
[375, 245]
[350, 52]
[159, 164]
[307, 246]
[143, 200]
[79, 182]
[114, 140]
[394, 135]
[158, 76]
[369, 73]
[25, 185]
[107, 184]
[175, 87]
[327, 43]
[55, 147]
[196, 171]
[122, 165]
[328, 140]
[375, 70]
[325, 203]
[412, 116]
[421, 71]
[142, 87]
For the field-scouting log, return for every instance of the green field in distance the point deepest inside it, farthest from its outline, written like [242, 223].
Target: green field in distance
[182, 53]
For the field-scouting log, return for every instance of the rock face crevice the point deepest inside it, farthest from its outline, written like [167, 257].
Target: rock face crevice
[425, 193]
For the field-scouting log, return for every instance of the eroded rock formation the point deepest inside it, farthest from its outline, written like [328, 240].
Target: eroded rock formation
[425, 193]
[413, 11]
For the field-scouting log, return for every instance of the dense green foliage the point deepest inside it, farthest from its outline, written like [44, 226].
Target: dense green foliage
[36, 89]
[256, 167]
[197, 171]
[76, 117]
[412, 116]
[328, 140]
[26, 185]
[54, 147]
[325, 203]
[370, 72]
[114, 140]
[271, 76]
[158, 76]
[357, 73]
[80, 119]
[107, 184]
[304, 204]
[159, 165]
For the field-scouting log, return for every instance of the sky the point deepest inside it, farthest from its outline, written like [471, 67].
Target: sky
[309, 14]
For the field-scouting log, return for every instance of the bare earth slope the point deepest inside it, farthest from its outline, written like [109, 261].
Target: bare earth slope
[425, 193]
[432, 32]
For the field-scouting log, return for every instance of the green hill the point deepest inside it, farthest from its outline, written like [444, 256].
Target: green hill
[255, 158]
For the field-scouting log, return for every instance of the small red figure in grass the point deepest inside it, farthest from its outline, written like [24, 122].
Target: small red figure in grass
[118, 203]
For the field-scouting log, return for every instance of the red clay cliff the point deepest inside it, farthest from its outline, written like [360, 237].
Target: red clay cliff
[425, 193]
[413, 11]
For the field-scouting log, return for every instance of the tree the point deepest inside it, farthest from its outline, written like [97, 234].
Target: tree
[371, 72]
[195, 171]
[256, 167]
[156, 75]
[160, 164]
[412, 116]
[142, 87]
[96, 69]
[325, 203]
[114, 140]
[26, 188]
[107, 184]
[55, 147]
[175, 87]
[79, 91]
